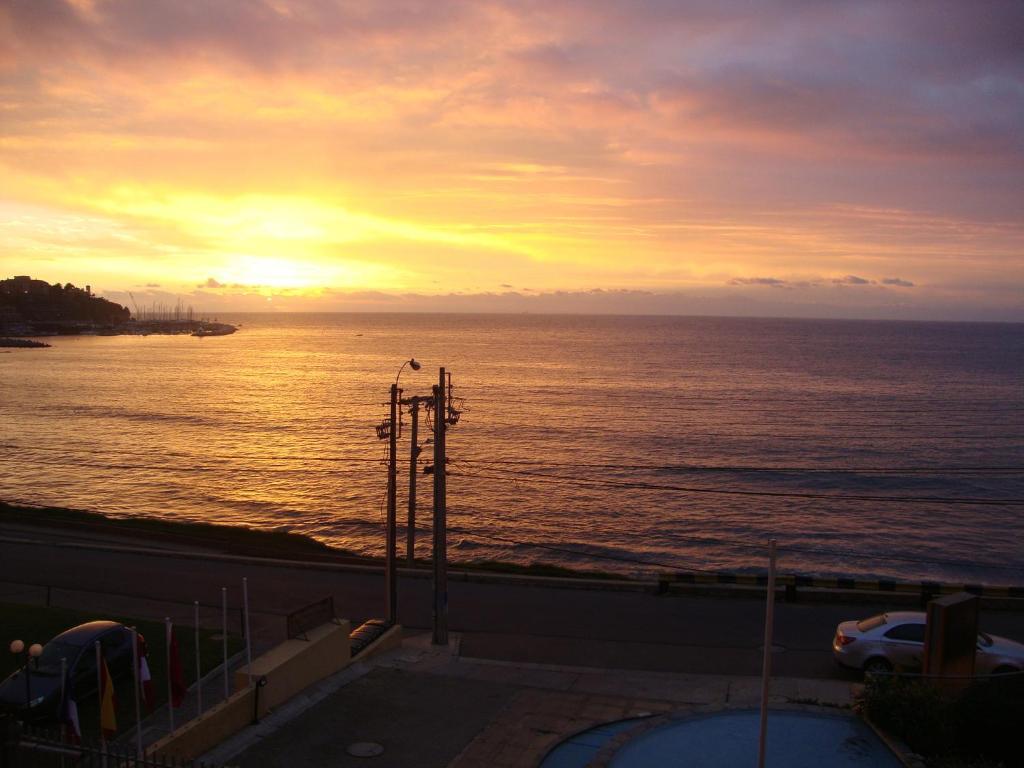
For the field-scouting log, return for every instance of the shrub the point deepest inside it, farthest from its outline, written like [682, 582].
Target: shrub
[989, 717]
[979, 727]
[912, 710]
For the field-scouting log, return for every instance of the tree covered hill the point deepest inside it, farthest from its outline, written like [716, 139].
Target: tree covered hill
[24, 300]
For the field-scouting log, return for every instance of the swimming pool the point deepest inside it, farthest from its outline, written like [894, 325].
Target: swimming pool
[796, 739]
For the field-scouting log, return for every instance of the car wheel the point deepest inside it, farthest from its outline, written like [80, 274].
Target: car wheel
[877, 666]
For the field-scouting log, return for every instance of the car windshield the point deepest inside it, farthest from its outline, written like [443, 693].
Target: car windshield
[868, 624]
[53, 652]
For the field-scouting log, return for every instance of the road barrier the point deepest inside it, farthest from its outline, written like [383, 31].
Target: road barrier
[926, 589]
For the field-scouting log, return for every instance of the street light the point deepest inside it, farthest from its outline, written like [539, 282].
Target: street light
[34, 651]
[391, 535]
[411, 362]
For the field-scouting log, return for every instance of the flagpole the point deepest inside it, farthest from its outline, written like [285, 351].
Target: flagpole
[199, 667]
[248, 633]
[99, 695]
[135, 678]
[63, 693]
[224, 635]
[170, 687]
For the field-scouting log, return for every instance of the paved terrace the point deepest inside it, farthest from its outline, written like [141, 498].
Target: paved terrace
[429, 706]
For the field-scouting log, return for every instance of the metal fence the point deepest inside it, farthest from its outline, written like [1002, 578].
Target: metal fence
[24, 746]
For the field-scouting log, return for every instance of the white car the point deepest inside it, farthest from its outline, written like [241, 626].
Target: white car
[895, 640]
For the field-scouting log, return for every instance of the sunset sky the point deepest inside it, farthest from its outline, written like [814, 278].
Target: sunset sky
[852, 159]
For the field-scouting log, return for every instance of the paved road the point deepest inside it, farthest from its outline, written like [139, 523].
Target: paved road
[499, 621]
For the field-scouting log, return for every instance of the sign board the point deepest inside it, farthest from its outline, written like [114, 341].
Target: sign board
[951, 637]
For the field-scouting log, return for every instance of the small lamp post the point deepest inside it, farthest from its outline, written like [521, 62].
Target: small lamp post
[411, 362]
[33, 652]
[391, 535]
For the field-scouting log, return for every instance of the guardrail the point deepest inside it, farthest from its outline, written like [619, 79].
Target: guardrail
[791, 582]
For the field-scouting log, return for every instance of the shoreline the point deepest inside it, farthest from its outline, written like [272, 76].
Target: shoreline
[240, 540]
[194, 540]
[21, 343]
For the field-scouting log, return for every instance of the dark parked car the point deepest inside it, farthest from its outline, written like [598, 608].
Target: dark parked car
[42, 701]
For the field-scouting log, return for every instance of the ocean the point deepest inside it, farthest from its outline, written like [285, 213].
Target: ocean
[624, 444]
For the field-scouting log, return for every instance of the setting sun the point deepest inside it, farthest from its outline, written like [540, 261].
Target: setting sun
[558, 160]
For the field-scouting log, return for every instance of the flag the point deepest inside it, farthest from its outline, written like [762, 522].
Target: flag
[108, 702]
[178, 687]
[69, 714]
[145, 678]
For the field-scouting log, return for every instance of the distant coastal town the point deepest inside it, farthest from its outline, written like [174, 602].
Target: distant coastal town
[33, 308]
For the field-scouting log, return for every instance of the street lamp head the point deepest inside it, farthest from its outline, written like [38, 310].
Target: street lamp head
[411, 362]
[17, 646]
[35, 650]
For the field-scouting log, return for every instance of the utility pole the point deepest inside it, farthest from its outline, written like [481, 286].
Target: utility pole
[414, 452]
[440, 633]
[390, 570]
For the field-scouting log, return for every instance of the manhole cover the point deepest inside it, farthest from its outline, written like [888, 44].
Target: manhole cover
[365, 749]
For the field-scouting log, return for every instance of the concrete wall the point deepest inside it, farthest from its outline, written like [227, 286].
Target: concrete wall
[297, 664]
[289, 668]
[216, 724]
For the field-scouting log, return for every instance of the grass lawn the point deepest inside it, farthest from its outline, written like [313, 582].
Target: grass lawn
[38, 624]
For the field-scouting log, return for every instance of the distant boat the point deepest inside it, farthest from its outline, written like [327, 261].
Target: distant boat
[214, 329]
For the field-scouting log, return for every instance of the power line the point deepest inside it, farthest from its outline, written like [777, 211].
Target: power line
[542, 477]
[709, 468]
[810, 406]
[744, 468]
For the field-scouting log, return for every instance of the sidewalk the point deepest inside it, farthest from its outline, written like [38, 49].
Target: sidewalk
[427, 706]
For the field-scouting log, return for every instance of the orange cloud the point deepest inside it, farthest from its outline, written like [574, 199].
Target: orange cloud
[304, 144]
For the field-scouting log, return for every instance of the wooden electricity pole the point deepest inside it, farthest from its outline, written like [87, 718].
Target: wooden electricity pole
[410, 544]
[390, 570]
[440, 612]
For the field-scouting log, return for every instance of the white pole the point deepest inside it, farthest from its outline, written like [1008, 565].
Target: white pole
[63, 693]
[766, 673]
[224, 636]
[135, 678]
[170, 685]
[199, 667]
[248, 633]
[99, 692]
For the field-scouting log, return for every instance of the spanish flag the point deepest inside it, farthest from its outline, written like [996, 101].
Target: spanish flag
[108, 702]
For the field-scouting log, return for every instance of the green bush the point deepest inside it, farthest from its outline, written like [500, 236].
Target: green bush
[990, 719]
[980, 726]
[912, 710]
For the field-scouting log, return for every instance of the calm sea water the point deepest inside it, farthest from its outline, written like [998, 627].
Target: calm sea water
[681, 442]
